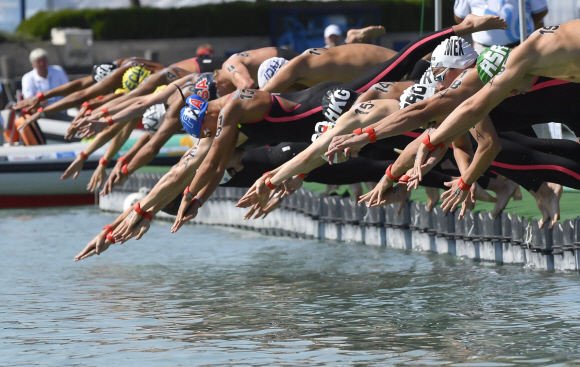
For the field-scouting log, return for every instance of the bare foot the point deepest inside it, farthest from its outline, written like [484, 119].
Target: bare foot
[432, 197]
[517, 196]
[364, 35]
[473, 23]
[548, 200]
[481, 194]
[504, 193]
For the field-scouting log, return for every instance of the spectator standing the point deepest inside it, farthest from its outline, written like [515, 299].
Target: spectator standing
[508, 10]
[333, 36]
[43, 77]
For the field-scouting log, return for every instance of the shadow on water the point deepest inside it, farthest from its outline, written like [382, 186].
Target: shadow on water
[217, 296]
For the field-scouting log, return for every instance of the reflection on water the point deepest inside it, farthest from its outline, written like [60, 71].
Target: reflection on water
[216, 296]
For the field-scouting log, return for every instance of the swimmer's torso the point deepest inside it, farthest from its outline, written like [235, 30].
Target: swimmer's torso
[342, 63]
[252, 59]
[557, 49]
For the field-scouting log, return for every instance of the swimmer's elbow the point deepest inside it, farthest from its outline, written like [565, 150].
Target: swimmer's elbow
[496, 147]
[492, 147]
[152, 149]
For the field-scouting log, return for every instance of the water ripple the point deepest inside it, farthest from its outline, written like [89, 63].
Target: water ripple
[211, 296]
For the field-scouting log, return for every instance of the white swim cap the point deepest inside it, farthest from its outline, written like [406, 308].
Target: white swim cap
[428, 79]
[332, 29]
[269, 68]
[153, 118]
[454, 53]
[414, 94]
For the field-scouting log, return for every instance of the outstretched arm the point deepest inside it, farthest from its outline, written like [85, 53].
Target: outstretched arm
[171, 185]
[417, 114]
[61, 90]
[116, 144]
[77, 165]
[479, 105]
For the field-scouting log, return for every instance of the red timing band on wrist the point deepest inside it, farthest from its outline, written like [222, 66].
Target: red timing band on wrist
[110, 237]
[40, 110]
[124, 169]
[270, 185]
[105, 111]
[122, 159]
[148, 216]
[404, 179]
[100, 97]
[110, 121]
[266, 174]
[357, 131]
[88, 112]
[302, 175]
[138, 210]
[187, 193]
[371, 131]
[40, 96]
[103, 161]
[86, 104]
[83, 156]
[462, 185]
[390, 175]
[109, 233]
[198, 199]
[431, 147]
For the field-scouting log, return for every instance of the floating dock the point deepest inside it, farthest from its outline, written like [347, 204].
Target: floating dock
[509, 239]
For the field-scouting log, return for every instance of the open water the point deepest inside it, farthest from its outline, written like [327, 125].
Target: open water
[215, 296]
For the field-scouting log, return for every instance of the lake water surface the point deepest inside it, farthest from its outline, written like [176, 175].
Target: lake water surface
[215, 296]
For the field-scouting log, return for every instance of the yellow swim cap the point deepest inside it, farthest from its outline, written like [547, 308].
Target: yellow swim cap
[159, 88]
[133, 77]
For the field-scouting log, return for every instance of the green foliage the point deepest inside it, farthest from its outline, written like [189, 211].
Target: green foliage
[212, 20]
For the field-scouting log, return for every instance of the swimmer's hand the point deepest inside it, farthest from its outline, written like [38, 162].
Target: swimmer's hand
[187, 211]
[290, 186]
[116, 177]
[351, 144]
[75, 168]
[99, 243]
[137, 231]
[28, 103]
[124, 229]
[80, 115]
[454, 196]
[258, 193]
[377, 195]
[392, 195]
[73, 128]
[35, 116]
[93, 128]
[424, 162]
[269, 208]
[97, 178]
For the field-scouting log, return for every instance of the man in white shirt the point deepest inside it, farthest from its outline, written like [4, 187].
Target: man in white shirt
[536, 10]
[43, 77]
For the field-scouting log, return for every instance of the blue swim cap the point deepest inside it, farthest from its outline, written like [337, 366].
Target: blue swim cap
[192, 115]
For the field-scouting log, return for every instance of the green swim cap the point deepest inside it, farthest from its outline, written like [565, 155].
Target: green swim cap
[490, 62]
